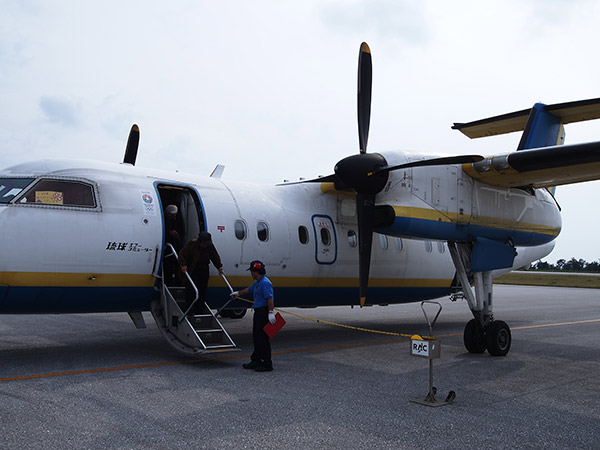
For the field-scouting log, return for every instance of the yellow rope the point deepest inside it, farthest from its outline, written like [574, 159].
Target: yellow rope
[350, 327]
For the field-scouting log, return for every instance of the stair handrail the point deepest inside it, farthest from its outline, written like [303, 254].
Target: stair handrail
[230, 298]
[189, 278]
[167, 293]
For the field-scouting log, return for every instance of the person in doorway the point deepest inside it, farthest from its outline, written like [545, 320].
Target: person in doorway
[173, 227]
[173, 237]
[261, 292]
[194, 259]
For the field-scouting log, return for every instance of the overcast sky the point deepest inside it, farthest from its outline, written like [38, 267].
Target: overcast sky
[268, 88]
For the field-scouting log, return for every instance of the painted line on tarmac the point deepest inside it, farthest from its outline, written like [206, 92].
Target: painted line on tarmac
[544, 325]
[281, 352]
[194, 361]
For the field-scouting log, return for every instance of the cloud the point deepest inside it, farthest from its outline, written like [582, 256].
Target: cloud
[60, 111]
[400, 20]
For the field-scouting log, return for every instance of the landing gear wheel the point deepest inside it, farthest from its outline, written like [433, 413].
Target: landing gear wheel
[474, 337]
[498, 338]
[237, 313]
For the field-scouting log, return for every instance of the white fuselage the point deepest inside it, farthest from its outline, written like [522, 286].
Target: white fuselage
[107, 256]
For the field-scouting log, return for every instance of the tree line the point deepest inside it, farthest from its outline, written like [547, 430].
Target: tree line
[562, 265]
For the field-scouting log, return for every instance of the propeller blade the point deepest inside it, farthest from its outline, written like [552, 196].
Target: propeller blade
[365, 208]
[365, 78]
[463, 159]
[132, 145]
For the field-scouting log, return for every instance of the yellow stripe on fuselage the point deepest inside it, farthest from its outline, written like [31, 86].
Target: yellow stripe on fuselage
[55, 279]
[60, 279]
[336, 282]
[491, 222]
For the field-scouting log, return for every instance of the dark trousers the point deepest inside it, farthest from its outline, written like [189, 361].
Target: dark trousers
[200, 278]
[262, 344]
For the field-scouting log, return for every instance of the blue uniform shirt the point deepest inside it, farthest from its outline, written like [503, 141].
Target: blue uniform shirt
[261, 290]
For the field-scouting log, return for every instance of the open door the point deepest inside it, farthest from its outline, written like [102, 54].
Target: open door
[180, 224]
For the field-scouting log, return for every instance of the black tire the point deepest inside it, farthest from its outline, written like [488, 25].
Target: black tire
[498, 338]
[237, 313]
[474, 337]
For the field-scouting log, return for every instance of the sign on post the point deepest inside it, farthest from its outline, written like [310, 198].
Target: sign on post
[426, 349]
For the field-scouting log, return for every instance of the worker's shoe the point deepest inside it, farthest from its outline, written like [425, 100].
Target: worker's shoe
[262, 368]
[250, 365]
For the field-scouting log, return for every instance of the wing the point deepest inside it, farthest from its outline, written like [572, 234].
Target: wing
[539, 167]
[538, 162]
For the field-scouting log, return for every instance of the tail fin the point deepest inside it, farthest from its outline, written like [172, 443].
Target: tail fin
[543, 129]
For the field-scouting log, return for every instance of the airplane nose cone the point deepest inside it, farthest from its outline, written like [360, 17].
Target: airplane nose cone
[354, 171]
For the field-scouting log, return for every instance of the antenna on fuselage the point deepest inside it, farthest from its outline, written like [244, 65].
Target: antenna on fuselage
[132, 145]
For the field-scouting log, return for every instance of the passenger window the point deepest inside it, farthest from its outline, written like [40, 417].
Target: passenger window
[352, 240]
[239, 228]
[325, 237]
[398, 243]
[303, 234]
[61, 193]
[262, 230]
[383, 241]
[428, 246]
[441, 247]
[11, 187]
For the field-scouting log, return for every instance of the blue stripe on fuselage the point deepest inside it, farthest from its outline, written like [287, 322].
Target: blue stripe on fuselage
[450, 231]
[43, 300]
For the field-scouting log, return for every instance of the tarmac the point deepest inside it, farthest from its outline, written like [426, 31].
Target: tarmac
[95, 381]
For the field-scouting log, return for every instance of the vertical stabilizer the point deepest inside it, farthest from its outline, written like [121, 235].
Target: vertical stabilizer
[543, 129]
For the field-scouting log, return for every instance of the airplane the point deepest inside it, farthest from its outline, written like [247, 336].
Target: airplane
[384, 228]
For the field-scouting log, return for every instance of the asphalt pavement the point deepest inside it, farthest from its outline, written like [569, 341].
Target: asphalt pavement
[95, 381]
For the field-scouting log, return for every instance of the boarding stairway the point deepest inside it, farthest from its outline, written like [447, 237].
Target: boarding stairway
[199, 332]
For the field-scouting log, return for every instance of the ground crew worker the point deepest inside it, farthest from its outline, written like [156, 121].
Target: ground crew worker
[261, 292]
[194, 259]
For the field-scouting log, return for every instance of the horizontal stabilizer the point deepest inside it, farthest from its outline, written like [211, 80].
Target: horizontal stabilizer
[569, 112]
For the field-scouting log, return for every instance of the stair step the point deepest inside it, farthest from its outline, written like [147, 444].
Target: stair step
[220, 347]
[211, 330]
[200, 329]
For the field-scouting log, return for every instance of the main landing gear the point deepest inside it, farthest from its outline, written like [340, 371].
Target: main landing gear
[482, 332]
[495, 338]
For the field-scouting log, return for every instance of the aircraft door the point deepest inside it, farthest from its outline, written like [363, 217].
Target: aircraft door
[182, 227]
[325, 239]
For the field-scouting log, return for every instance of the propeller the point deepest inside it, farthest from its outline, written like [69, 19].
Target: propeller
[462, 159]
[368, 173]
[365, 81]
[354, 170]
[132, 145]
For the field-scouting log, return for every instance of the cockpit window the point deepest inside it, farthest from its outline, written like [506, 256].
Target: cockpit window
[60, 193]
[11, 187]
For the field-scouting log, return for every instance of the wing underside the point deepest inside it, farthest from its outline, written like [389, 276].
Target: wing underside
[540, 167]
